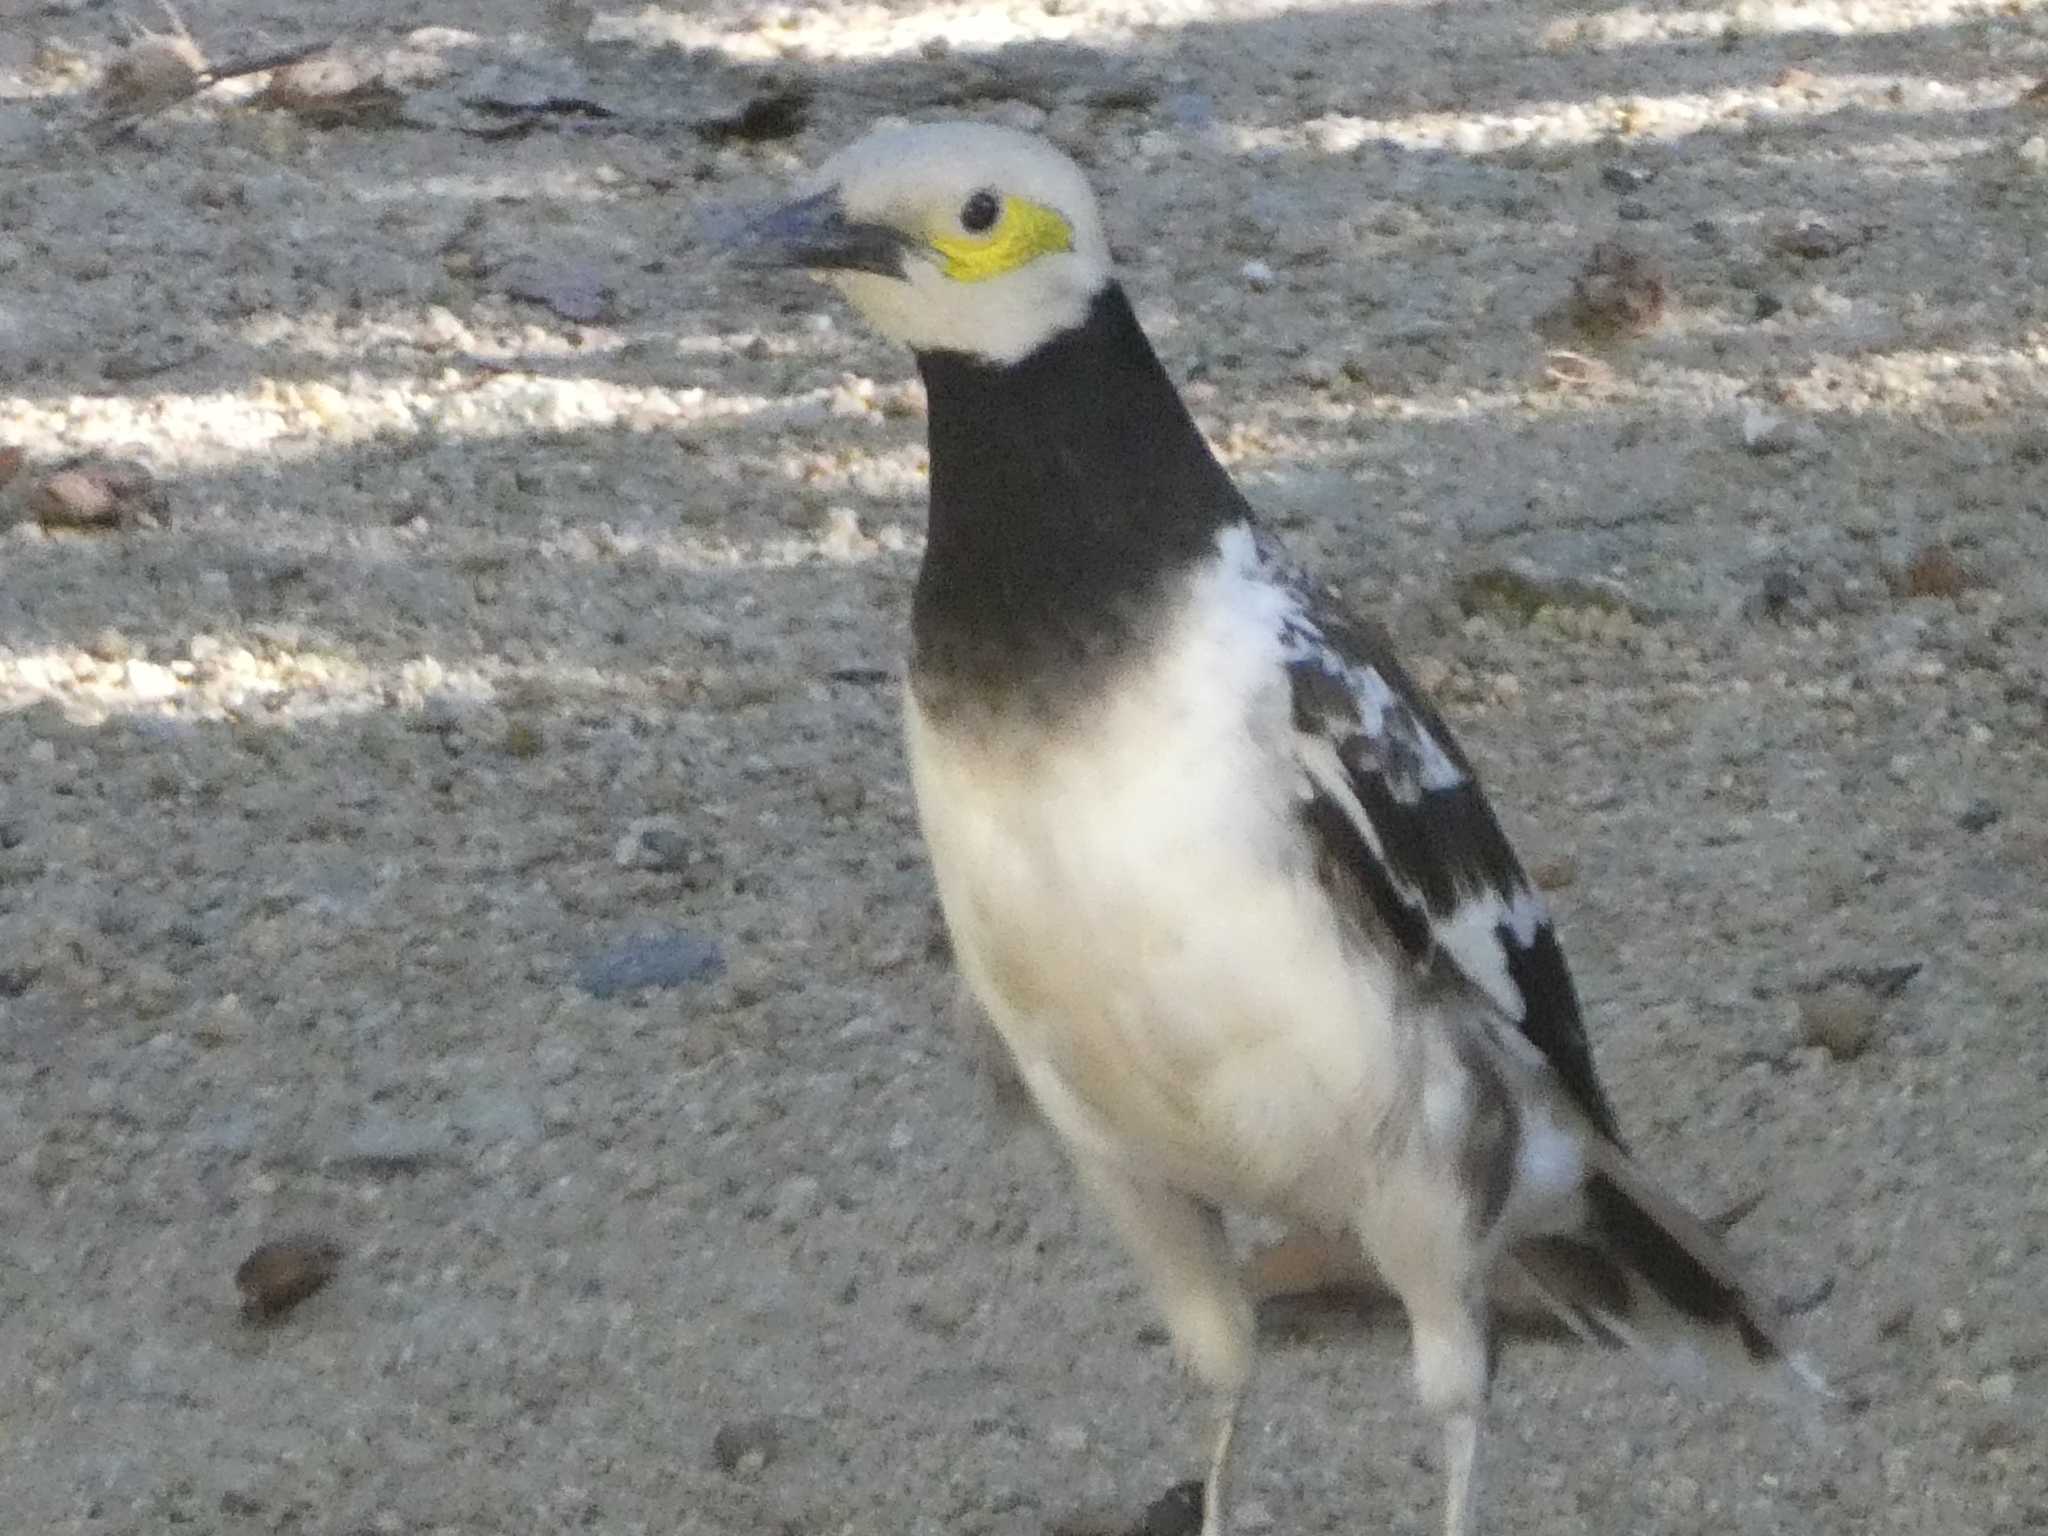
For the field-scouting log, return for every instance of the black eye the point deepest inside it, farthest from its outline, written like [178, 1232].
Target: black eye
[980, 212]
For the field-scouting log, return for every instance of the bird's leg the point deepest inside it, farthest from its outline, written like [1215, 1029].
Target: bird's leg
[1436, 1273]
[1215, 1488]
[1180, 1243]
[1461, 1472]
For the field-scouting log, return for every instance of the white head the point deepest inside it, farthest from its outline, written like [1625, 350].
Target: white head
[957, 237]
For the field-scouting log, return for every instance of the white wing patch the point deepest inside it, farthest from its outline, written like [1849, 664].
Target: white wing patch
[1393, 800]
[1471, 937]
[1414, 761]
[1367, 725]
[1470, 934]
[1381, 713]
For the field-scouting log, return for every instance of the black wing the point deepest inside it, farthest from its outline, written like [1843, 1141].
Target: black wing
[1399, 812]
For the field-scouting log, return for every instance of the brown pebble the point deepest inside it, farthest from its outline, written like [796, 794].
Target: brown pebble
[1935, 572]
[70, 498]
[1555, 874]
[98, 494]
[11, 460]
[281, 1274]
[1842, 1020]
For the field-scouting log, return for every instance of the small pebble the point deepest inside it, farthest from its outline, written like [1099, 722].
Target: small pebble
[1935, 572]
[1950, 1326]
[90, 494]
[279, 1275]
[1781, 589]
[1842, 1020]
[1978, 815]
[743, 1447]
[646, 961]
[1257, 276]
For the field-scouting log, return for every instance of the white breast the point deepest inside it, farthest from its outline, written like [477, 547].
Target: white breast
[1136, 906]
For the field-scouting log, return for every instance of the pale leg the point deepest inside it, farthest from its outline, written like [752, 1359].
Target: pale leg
[1451, 1369]
[1461, 1472]
[1180, 1244]
[1434, 1267]
[1215, 1492]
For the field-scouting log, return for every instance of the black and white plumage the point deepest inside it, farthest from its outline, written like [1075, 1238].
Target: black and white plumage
[1214, 867]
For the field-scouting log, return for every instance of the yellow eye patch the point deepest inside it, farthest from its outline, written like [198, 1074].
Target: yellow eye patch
[1024, 232]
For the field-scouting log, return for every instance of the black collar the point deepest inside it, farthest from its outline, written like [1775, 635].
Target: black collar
[1068, 490]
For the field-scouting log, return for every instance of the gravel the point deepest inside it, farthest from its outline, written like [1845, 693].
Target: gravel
[384, 777]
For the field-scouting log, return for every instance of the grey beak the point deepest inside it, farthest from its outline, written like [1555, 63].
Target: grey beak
[814, 233]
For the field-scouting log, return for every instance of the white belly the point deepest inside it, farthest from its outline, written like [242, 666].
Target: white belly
[1135, 906]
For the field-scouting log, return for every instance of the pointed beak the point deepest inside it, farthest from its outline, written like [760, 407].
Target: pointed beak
[815, 234]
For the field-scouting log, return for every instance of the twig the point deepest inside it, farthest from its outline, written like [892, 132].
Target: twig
[256, 64]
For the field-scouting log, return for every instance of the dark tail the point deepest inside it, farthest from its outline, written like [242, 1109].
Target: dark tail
[1643, 1273]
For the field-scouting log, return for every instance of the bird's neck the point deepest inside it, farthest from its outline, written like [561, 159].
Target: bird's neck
[1069, 491]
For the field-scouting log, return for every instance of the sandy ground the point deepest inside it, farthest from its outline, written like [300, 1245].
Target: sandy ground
[520, 585]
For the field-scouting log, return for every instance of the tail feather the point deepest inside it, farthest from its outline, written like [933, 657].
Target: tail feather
[1643, 1273]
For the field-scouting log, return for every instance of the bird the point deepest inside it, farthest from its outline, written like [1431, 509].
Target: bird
[1213, 865]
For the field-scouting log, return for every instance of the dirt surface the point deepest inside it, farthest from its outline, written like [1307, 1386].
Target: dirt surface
[512, 611]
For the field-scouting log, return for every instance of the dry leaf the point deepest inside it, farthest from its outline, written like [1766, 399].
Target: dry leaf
[330, 91]
[157, 70]
[1618, 294]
